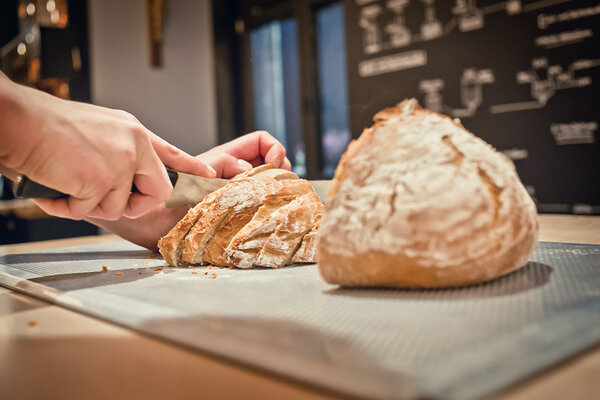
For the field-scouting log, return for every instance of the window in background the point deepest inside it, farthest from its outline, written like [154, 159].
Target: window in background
[276, 86]
[333, 88]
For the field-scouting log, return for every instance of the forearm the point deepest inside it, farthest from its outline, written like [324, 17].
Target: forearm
[146, 230]
[8, 106]
[17, 139]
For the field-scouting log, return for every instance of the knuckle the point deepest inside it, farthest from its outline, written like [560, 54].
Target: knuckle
[103, 182]
[173, 151]
[224, 157]
[127, 151]
[86, 190]
[138, 132]
[126, 115]
[262, 133]
[129, 156]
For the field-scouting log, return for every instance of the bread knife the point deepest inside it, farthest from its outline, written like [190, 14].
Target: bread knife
[188, 190]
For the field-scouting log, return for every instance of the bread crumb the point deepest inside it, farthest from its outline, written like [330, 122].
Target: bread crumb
[118, 273]
[195, 272]
[213, 267]
[158, 268]
[212, 276]
[190, 266]
[104, 268]
[206, 273]
[32, 323]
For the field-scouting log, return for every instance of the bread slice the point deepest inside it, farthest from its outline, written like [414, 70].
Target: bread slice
[170, 244]
[234, 221]
[243, 213]
[245, 245]
[242, 196]
[304, 212]
[307, 252]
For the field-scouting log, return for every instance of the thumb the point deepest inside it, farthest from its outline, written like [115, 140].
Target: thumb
[226, 165]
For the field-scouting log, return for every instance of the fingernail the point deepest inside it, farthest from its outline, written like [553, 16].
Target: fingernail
[211, 171]
[245, 165]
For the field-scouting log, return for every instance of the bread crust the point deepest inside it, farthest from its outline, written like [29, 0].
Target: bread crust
[418, 201]
[170, 245]
[307, 252]
[237, 197]
[235, 220]
[266, 171]
[239, 218]
[285, 240]
[249, 241]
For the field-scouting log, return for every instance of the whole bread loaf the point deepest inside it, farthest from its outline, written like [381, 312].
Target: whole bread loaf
[259, 218]
[418, 201]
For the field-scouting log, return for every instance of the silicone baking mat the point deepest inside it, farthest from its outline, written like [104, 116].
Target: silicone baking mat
[371, 343]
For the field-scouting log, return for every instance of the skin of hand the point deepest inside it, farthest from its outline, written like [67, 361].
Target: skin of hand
[89, 152]
[250, 150]
[228, 160]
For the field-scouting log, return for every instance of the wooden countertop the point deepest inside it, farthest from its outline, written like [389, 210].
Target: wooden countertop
[50, 352]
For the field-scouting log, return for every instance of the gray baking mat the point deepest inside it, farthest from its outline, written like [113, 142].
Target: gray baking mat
[373, 343]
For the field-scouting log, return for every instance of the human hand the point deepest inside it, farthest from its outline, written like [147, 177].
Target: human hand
[245, 152]
[89, 152]
[228, 160]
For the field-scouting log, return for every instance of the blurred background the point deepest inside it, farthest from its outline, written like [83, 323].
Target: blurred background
[521, 74]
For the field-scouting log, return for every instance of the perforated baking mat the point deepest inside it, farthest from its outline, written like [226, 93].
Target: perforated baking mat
[371, 343]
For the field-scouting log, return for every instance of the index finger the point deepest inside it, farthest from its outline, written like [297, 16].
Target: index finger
[179, 160]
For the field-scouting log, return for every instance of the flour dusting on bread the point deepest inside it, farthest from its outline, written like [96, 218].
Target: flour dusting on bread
[418, 201]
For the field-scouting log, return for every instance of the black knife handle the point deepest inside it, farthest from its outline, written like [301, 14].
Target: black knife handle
[25, 188]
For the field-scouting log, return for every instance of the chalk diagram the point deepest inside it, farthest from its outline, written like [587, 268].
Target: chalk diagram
[471, 92]
[468, 15]
[545, 80]
[372, 40]
[431, 28]
[399, 34]
[384, 23]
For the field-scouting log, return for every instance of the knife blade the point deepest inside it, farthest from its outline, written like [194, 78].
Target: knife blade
[191, 189]
[188, 189]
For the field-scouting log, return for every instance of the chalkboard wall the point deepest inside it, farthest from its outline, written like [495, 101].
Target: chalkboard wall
[522, 75]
